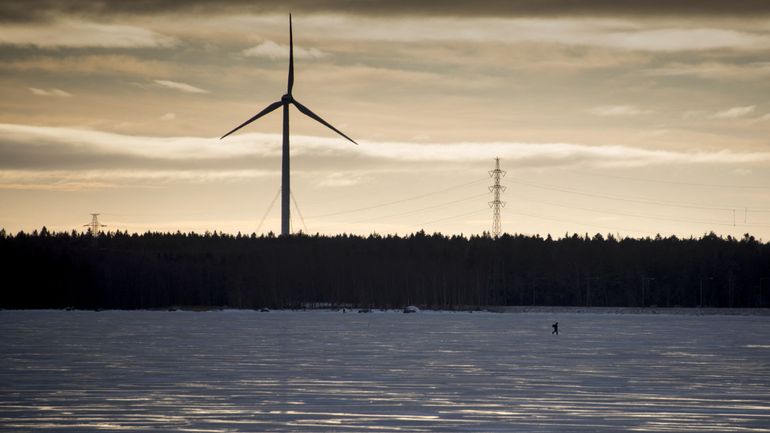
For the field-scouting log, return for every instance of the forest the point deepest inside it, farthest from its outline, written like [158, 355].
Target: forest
[121, 270]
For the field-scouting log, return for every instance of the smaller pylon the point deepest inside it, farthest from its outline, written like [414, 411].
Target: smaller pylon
[95, 226]
[496, 204]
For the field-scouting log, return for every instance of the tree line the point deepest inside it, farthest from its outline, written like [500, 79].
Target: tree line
[119, 270]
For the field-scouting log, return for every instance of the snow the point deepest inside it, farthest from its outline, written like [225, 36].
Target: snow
[324, 371]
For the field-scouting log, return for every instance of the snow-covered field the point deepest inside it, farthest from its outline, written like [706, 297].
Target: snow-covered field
[323, 371]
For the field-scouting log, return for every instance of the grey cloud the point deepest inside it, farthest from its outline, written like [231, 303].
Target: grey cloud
[618, 110]
[714, 70]
[36, 152]
[50, 92]
[44, 9]
[90, 64]
[272, 50]
[734, 112]
[58, 156]
[18, 154]
[46, 148]
[182, 87]
[72, 33]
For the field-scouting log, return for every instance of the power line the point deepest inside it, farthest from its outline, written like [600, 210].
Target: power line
[416, 197]
[579, 223]
[655, 217]
[670, 182]
[296, 206]
[269, 208]
[540, 217]
[422, 209]
[453, 217]
[631, 200]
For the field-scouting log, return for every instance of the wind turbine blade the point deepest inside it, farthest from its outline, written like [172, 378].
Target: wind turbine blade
[306, 111]
[269, 108]
[291, 59]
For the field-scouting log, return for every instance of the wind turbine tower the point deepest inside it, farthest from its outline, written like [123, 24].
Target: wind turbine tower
[285, 101]
[94, 227]
[496, 204]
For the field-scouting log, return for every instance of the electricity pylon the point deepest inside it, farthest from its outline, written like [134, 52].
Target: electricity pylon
[496, 204]
[95, 226]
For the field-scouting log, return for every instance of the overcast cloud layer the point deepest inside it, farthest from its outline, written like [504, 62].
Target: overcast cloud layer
[59, 150]
[666, 101]
[40, 9]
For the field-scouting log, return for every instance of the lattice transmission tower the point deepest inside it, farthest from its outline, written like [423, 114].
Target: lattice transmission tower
[496, 204]
[94, 227]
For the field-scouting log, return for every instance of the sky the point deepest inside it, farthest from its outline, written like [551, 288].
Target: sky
[611, 117]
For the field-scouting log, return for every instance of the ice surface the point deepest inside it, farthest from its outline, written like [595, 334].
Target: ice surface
[323, 371]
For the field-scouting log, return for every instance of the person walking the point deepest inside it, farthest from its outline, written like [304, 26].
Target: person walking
[555, 328]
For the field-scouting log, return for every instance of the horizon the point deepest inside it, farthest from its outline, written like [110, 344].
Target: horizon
[597, 236]
[633, 121]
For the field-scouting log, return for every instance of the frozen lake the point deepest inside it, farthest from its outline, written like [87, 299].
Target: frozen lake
[323, 371]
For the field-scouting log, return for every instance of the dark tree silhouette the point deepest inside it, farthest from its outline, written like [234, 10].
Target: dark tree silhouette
[161, 270]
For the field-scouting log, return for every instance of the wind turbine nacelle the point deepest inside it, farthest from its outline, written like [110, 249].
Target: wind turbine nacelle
[286, 98]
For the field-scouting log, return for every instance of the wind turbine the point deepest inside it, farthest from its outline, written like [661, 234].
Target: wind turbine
[285, 101]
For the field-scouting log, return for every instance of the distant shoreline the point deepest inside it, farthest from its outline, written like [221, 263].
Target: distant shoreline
[490, 309]
[690, 311]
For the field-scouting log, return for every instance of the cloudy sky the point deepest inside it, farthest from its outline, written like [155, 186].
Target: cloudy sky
[622, 117]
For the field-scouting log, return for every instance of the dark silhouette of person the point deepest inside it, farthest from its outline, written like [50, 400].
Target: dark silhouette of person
[555, 328]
